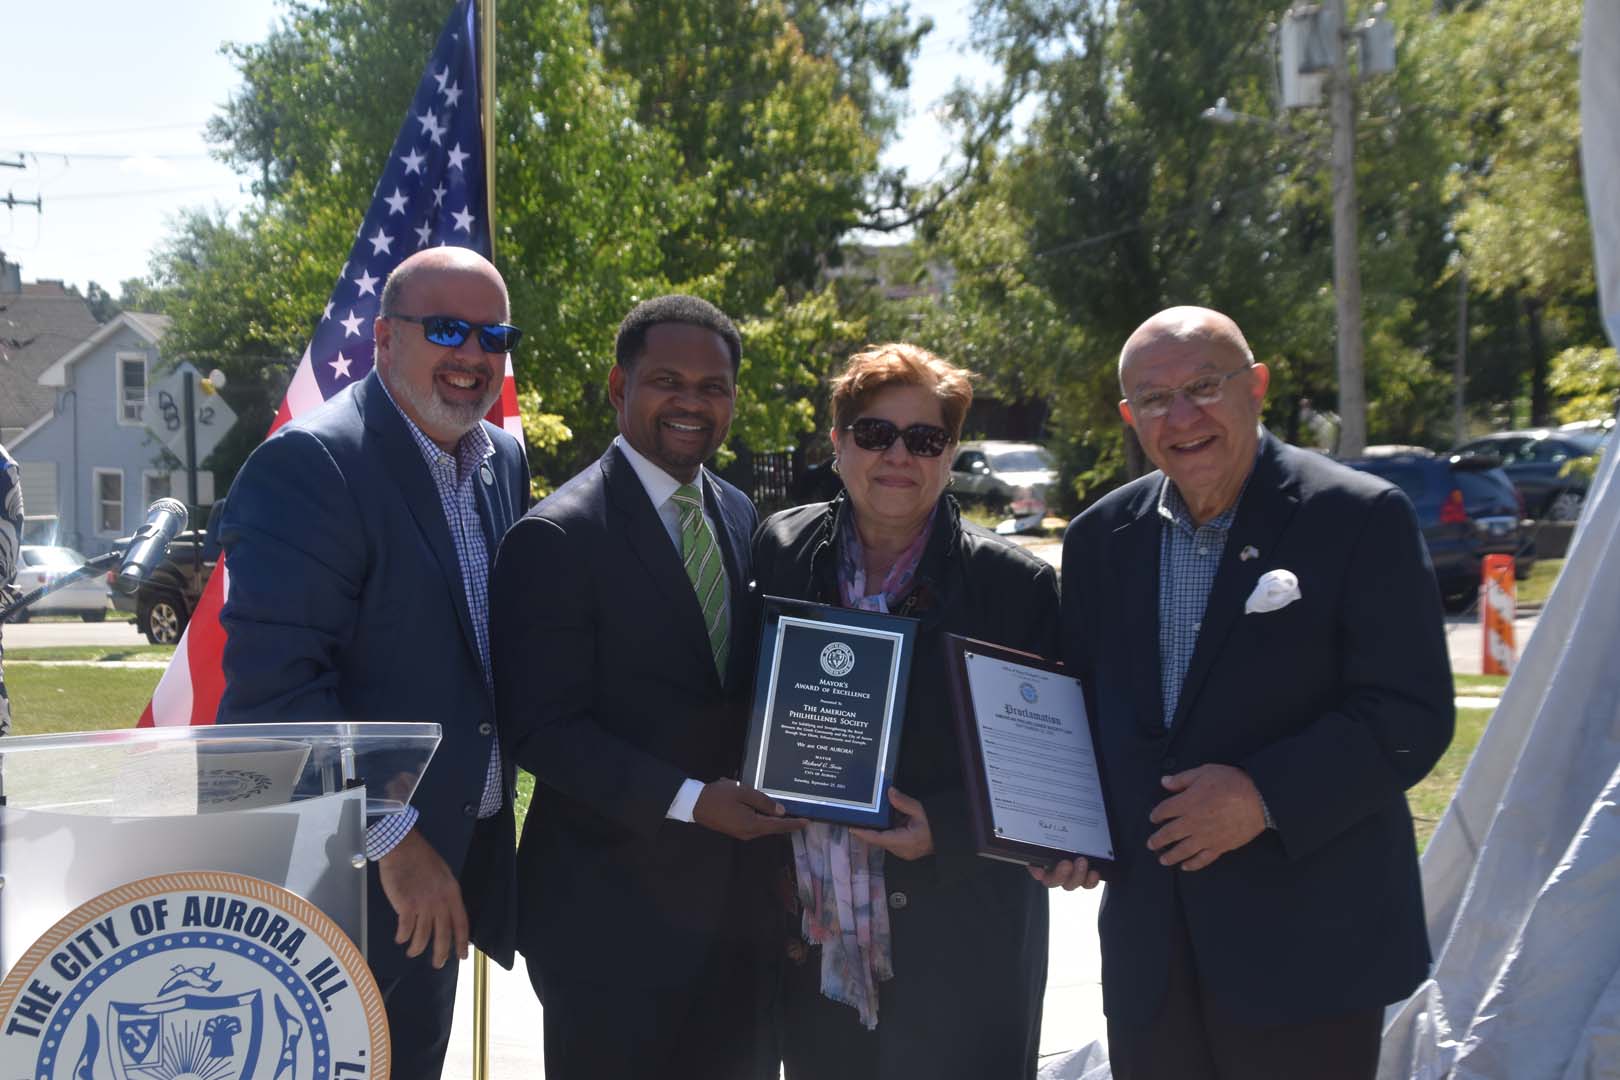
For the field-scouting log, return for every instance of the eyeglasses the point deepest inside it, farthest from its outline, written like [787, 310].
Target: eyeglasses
[451, 332]
[1204, 390]
[923, 440]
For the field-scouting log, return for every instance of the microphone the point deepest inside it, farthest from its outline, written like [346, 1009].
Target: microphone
[146, 548]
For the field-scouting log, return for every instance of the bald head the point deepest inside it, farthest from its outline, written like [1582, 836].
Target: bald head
[1187, 325]
[451, 261]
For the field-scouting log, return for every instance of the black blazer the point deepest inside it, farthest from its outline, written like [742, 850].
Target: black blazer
[346, 603]
[608, 694]
[1334, 705]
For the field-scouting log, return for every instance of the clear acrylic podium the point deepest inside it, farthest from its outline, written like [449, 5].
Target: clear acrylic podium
[286, 803]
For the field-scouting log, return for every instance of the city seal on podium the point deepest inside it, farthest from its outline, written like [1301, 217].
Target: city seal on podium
[193, 976]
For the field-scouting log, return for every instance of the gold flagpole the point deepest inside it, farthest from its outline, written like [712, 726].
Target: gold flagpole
[486, 103]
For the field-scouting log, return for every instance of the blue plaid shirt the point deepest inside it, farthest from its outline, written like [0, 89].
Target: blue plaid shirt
[1189, 555]
[454, 477]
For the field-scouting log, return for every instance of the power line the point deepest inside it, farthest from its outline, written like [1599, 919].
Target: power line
[104, 131]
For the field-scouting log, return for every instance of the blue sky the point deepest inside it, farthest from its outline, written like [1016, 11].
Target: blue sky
[106, 103]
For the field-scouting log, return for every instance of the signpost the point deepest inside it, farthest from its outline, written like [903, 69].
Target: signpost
[189, 424]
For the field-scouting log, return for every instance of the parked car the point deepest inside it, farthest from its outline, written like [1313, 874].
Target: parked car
[164, 602]
[1537, 462]
[1467, 508]
[40, 565]
[1000, 474]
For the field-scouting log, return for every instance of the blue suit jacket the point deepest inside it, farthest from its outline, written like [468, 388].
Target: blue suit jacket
[1334, 705]
[609, 696]
[346, 604]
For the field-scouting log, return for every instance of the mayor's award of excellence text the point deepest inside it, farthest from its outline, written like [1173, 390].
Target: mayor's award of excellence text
[825, 728]
[1040, 773]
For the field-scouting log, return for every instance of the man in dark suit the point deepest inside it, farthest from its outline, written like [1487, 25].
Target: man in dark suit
[1259, 633]
[358, 540]
[622, 655]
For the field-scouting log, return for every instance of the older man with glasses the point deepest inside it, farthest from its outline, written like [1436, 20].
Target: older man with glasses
[359, 540]
[1259, 632]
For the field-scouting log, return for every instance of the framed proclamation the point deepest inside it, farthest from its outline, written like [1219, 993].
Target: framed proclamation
[829, 698]
[1035, 791]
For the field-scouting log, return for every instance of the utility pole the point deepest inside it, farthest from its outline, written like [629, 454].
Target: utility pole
[1346, 253]
[1459, 421]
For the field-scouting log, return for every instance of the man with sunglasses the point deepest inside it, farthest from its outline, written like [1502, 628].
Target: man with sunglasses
[358, 541]
[623, 653]
[1259, 633]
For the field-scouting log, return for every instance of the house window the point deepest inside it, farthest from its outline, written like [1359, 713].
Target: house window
[158, 485]
[131, 389]
[109, 507]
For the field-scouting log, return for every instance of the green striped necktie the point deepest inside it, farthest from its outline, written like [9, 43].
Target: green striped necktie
[705, 569]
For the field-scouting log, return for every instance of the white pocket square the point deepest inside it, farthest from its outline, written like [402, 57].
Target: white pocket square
[1275, 589]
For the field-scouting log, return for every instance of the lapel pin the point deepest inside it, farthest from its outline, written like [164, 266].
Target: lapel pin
[486, 475]
[1249, 552]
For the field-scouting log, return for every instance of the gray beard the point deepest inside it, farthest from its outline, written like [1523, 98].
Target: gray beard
[441, 413]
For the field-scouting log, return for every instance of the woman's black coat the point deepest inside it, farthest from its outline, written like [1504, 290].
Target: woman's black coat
[970, 933]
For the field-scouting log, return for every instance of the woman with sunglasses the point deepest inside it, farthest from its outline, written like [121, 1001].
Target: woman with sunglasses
[948, 977]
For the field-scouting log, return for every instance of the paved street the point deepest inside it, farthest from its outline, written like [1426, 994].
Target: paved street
[36, 633]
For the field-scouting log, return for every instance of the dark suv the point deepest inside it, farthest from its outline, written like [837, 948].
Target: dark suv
[1467, 508]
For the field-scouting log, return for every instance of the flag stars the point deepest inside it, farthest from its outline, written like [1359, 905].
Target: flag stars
[442, 77]
[440, 192]
[367, 283]
[464, 220]
[457, 156]
[327, 314]
[424, 232]
[396, 202]
[413, 161]
[452, 96]
[340, 366]
[431, 127]
[382, 243]
[351, 325]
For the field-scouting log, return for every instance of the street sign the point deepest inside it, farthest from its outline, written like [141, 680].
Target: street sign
[165, 415]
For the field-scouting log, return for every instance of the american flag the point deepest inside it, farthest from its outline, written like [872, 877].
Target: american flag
[431, 193]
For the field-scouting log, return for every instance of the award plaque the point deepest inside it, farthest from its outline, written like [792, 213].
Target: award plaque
[829, 697]
[1035, 791]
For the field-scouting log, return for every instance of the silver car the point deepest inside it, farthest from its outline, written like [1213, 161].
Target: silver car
[1002, 474]
[39, 565]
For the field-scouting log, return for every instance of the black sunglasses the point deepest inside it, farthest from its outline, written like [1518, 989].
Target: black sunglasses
[451, 332]
[923, 440]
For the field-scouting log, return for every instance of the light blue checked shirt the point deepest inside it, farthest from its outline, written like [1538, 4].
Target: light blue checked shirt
[1189, 555]
[454, 477]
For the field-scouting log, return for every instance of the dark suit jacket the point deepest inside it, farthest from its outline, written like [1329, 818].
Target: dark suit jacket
[1334, 705]
[346, 603]
[608, 694]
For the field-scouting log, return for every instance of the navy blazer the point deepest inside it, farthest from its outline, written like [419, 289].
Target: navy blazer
[608, 694]
[346, 603]
[1334, 705]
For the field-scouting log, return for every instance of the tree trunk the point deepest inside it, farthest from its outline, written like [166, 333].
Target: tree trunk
[1540, 407]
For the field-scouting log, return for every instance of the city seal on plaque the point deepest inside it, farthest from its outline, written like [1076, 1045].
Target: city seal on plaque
[838, 659]
[194, 975]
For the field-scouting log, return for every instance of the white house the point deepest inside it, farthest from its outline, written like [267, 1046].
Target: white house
[92, 461]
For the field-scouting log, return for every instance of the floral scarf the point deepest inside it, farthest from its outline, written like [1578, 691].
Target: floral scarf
[840, 878]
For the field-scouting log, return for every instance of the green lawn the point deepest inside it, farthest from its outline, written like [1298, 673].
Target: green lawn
[1535, 588]
[1430, 797]
[1480, 685]
[47, 700]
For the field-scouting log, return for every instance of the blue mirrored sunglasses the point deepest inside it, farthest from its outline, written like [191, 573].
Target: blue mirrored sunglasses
[451, 332]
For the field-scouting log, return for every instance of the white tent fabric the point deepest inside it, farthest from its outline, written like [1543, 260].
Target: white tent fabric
[1523, 873]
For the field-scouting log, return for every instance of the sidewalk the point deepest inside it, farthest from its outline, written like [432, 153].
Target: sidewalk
[1072, 1017]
